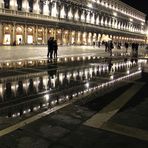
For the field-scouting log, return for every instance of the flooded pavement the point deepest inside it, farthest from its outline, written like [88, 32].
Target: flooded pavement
[26, 91]
[48, 105]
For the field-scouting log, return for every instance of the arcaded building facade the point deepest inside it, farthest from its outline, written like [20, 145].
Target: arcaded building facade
[78, 22]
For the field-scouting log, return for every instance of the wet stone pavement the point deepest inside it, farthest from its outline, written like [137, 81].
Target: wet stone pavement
[65, 129]
[33, 90]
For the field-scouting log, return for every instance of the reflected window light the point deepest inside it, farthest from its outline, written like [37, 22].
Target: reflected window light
[72, 58]
[45, 80]
[13, 87]
[1, 89]
[89, 57]
[128, 72]
[87, 85]
[74, 74]
[65, 59]
[111, 77]
[68, 76]
[46, 97]
[30, 62]
[61, 77]
[84, 58]
[19, 63]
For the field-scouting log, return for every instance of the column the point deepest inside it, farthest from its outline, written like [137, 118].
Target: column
[25, 34]
[63, 35]
[46, 35]
[76, 37]
[13, 33]
[54, 33]
[86, 38]
[43, 32]
[1, 33]
[81, 37]
[36, 35]
[69, 37]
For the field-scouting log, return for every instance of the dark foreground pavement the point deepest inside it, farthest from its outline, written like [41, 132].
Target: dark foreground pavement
[66, 128]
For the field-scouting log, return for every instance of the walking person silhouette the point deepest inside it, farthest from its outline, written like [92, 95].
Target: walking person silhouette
[55, 49]
[50, 47]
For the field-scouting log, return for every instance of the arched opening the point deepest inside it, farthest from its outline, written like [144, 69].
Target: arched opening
[40, 35]
[30, 35]
[7, 35]
[19, 35]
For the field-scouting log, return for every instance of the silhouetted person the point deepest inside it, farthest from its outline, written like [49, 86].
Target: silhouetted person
[110, 65]
[55, 48]
[106, 46]
[110, 47]
[50, 47]
[126, 46]
[8, 93]
[20, 90]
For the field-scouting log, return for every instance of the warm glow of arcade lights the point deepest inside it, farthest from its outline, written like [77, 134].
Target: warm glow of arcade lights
[46, 97]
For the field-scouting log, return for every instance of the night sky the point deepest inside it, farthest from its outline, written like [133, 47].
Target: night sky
[138, 4]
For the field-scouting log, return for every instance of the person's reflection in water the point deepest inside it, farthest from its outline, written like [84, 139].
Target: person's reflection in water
[31, 88]
[52, 71]
[49, 85]
[78, 78]
[57, 82]
[20, 90]
[72, 82]
[41, 86]
[8, 93]
[110, 65]
[134, 59]
[65, 81]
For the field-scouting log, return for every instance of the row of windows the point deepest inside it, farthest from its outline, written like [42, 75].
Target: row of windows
[84, 16]
[119, 8]
[106, 3]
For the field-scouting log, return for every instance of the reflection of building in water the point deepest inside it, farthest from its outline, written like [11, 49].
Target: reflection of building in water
[34, 21]
[26, 91]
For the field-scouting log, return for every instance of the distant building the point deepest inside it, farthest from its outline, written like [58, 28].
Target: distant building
[79, 22]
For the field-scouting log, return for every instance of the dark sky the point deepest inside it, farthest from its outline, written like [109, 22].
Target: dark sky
[138, 4]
